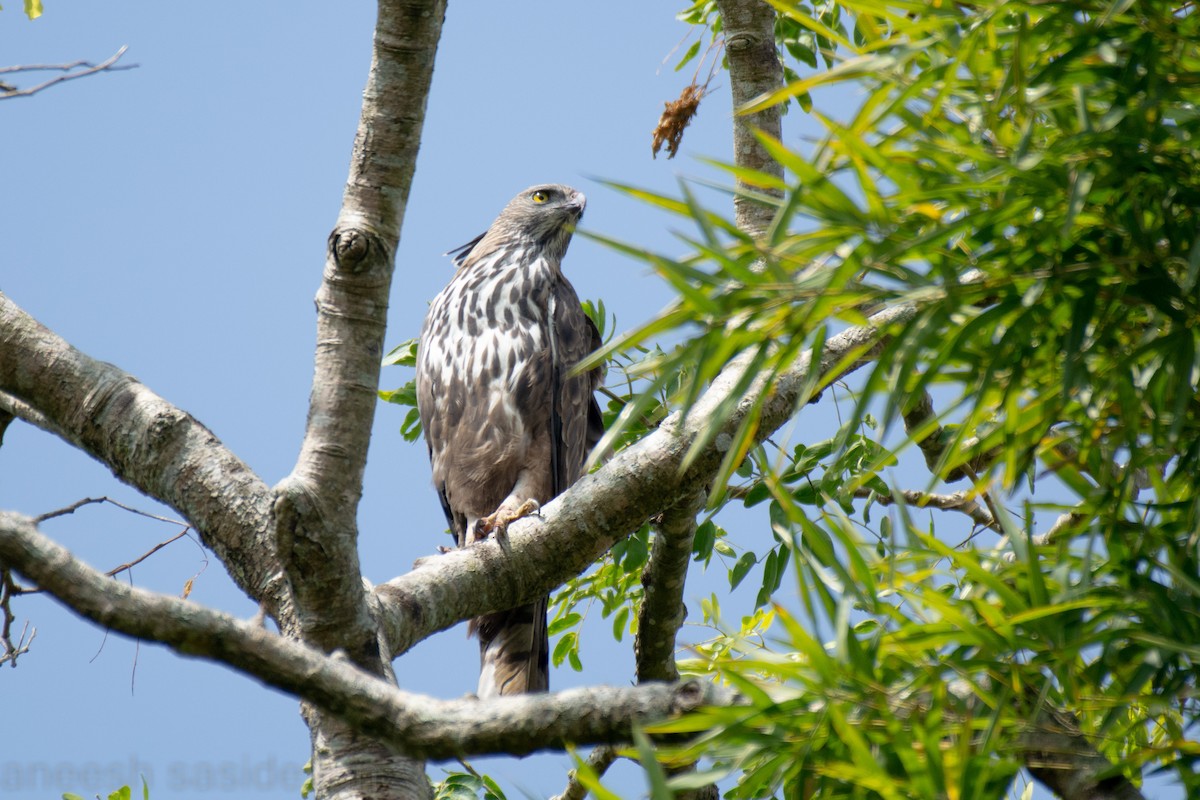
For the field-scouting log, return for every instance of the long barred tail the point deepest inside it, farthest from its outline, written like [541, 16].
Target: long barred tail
[514, 651]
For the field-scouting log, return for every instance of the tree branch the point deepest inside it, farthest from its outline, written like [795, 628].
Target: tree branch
[10, 651]
[958, 501]
[662, 609]
[146, 442]
[84, 68]
[598, 761]
[934, 444]
[12, 408]
[754, 70]
[418, 726]
[1057, 753]
[316, 507]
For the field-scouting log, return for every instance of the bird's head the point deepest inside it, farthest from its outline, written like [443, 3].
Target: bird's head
[545, 215]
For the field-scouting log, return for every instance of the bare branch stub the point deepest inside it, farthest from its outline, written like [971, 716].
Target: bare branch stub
[598, 761]
[70, 71]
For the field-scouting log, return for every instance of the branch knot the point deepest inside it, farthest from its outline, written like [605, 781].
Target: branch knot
[351, 250]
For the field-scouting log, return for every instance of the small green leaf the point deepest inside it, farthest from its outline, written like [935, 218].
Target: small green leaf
[739, 570]
[689, 55]
[403, 354]
[410, 429]
[561, 624]
[655, 776]
[619, 623]
[567, 644]
[703, 541]
[492, 789]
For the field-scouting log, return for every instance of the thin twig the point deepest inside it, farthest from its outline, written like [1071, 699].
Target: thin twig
[84, 68]
[128, 565]
[71, 509]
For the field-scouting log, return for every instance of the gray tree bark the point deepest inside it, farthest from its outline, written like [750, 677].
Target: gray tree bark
[754, 70]
[316, 506]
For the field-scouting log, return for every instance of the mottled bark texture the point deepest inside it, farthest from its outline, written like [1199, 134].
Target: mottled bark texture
[316, 506]
[374, 720]
[662, 610]
[754, 70]
[146, 442]
[1059, 755]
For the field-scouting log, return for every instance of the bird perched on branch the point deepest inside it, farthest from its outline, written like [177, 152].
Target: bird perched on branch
[507, 423]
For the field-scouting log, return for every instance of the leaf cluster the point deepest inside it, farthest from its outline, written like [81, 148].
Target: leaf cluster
[1024, 175]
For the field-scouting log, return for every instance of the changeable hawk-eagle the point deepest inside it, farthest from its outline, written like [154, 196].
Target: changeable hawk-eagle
[507, 423]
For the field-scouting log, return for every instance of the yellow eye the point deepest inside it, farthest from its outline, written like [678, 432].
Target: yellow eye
[539, 197]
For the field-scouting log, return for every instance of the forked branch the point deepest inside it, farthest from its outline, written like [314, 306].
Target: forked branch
[71, 71]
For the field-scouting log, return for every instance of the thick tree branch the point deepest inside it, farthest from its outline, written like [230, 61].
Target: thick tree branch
[146, 442]
[11, 408]
[317, 505]
[1058, 754]
[754, 70]
[662, 609]
[417, 725]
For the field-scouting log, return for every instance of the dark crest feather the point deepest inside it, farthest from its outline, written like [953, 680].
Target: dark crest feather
[459, 254]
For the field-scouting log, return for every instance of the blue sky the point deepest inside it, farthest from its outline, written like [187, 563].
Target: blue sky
[172, 219]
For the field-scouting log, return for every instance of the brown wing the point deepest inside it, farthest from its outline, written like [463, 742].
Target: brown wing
[575, 417]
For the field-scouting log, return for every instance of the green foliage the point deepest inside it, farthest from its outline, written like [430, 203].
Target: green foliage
[904, 698]
[33, 8]
[124, 793]
[1024, 174]
[802, 36]
[404, 355]
[467, 786]
[615, 583]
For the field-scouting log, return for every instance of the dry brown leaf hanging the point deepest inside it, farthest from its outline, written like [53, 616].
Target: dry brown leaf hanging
[675, 118]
